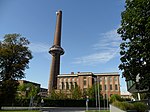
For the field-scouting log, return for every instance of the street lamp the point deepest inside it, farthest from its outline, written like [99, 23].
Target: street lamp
[106, 93]
[87, 101]
[137, 81]
[31, 97]
[95, 90]
[98, 96]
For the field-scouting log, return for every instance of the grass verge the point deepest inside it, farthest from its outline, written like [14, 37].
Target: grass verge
[97, 111]
[19, 111]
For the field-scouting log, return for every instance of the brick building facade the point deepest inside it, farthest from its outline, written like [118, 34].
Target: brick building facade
[110, 83]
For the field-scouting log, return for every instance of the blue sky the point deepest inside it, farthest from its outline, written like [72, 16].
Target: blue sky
[89, 35]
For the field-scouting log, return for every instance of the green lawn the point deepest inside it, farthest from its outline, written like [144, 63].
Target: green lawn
[19, 111]
[98, 111]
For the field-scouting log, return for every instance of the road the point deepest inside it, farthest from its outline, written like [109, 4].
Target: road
[67, 109]
[53, 109]
[63, 109]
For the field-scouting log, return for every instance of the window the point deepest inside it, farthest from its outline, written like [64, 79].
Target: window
[105, 86]
[84, 78]
[84, 82]
[110, 87]
[75, 83]
[67, 85]
[71, 85]
[116, 87]
[115, 78]
[110, 79]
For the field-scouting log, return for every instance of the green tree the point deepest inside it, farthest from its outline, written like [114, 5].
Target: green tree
[58, 95]
[93, 91]
[135, 46]
[27, 90]
[14, 59]
[76, 93]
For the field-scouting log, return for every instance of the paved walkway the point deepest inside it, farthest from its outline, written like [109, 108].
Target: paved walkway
[53, 109]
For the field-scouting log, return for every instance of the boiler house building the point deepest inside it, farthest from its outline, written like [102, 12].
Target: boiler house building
[110, 83]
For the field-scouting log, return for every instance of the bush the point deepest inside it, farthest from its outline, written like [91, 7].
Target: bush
[115, 97]
[124, 105]
[140, 107]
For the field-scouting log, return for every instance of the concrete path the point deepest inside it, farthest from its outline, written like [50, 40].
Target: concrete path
[53, 109]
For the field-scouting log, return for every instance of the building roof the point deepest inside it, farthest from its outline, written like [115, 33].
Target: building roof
[88, 73]
[109, 73]
[25, 81]
[67, 75]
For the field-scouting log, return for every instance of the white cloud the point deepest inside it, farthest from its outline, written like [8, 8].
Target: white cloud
[39, 47]
[105, 50]
[108, 40]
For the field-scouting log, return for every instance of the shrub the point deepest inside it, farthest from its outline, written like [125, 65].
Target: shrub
[140, 107]
[124, 105]
[115, 97]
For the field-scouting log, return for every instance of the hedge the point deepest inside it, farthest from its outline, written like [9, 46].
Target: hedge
[57, 103]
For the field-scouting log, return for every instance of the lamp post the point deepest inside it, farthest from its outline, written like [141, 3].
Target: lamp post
[95, 83]
[98, 95]
[87, 101]
[107, 93]
[137, 81]
[95, 91]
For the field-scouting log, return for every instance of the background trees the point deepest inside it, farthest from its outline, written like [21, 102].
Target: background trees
[135, 46]
[28, 92]
[92, 92]
[14, 59]
[76, 93]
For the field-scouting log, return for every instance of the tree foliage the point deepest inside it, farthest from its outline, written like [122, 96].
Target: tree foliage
[8, 92]
[14, 59]
[135, 46]
[92, 92]
[28, 90]
[115, 97]
[76, 93]
[58, 95]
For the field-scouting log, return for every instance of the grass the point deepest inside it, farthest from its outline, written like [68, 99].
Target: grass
[39, 111]
[98, 111]
[19, 111]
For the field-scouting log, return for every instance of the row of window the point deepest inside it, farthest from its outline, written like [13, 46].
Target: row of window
[110, 87]
[67, 85]
[110, 78]
[68, 79]
[105, 86]
[107, 96]
[70, 85]
[105, 78]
